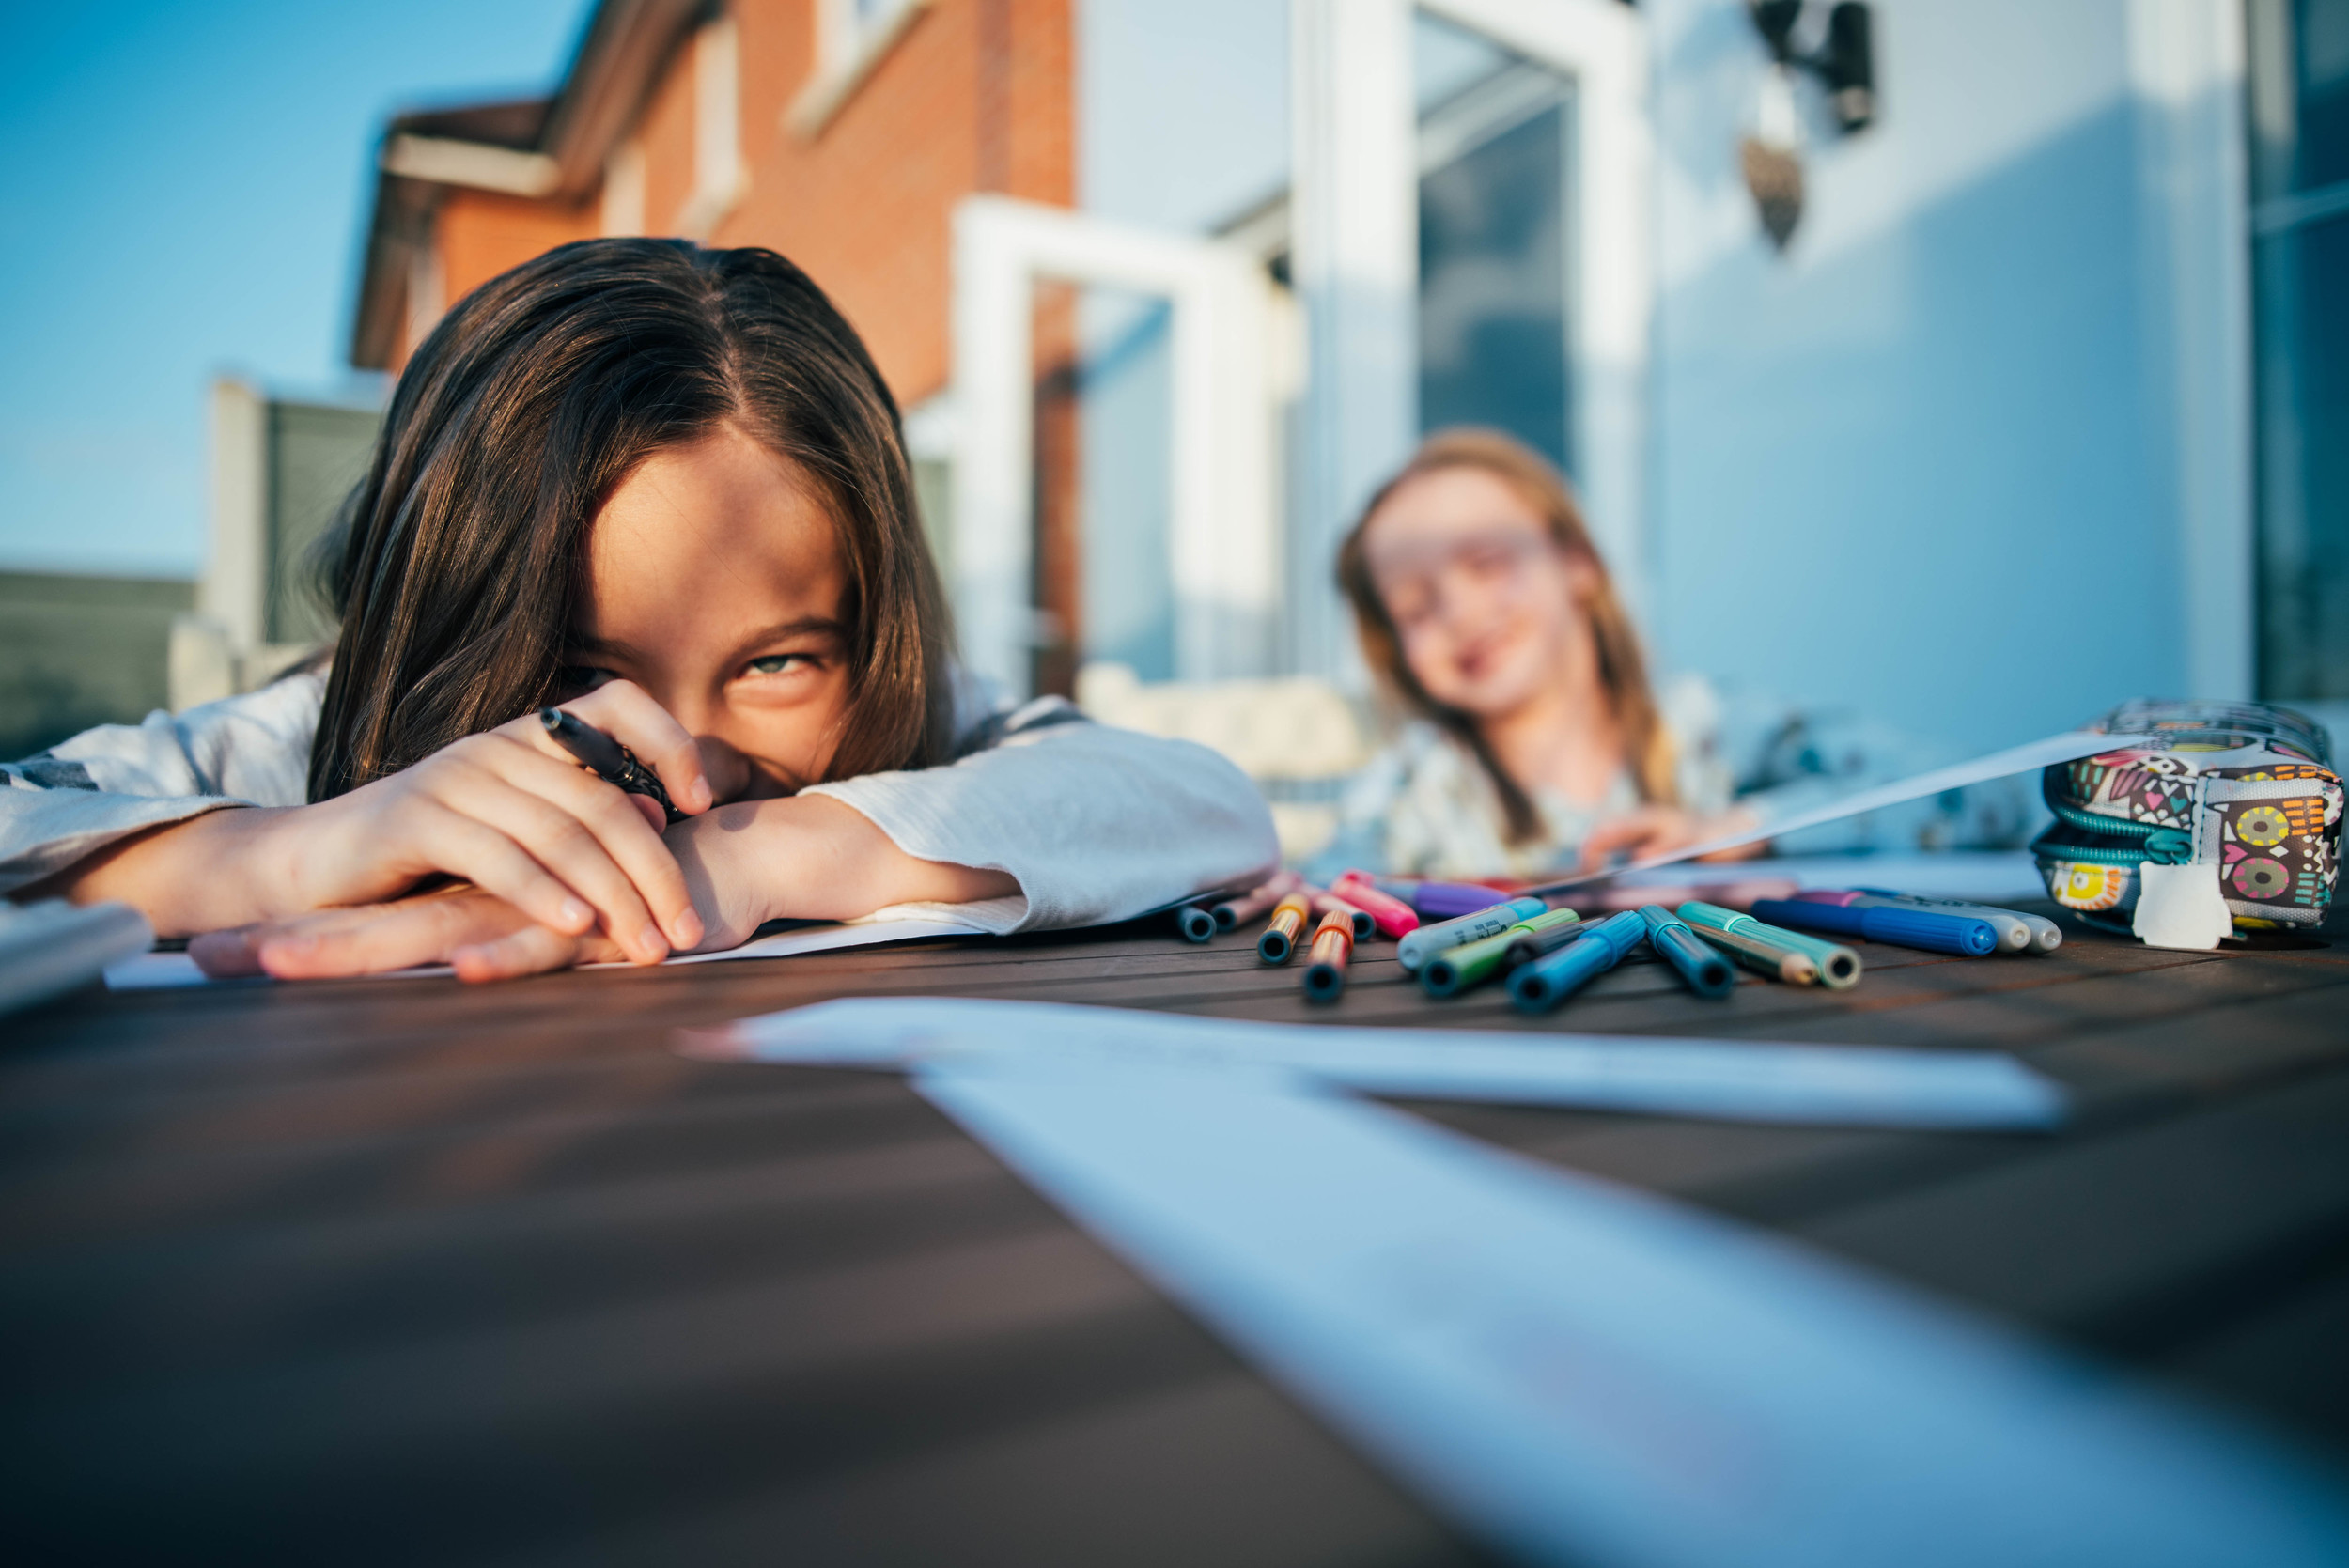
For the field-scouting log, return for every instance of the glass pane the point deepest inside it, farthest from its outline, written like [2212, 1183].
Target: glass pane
[2299, 70]
[1493, 323]
[2321, 28]
[2303, 282]
[1127, 398]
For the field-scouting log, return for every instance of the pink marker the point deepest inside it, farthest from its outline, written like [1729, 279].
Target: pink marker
[1393, 918]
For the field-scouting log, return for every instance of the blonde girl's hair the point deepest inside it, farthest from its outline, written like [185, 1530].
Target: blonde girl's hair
[1622, 667]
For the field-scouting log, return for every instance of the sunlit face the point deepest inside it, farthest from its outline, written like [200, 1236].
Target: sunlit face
[1486, 603]
[715, 582]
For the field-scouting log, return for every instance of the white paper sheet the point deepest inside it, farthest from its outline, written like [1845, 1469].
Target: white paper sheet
[1582, 1373]
[1980, 876]
[2067, 747]
[1752, 1081]
[162, 971]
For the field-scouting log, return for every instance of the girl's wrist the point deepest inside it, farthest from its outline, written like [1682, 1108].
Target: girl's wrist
[810, 856]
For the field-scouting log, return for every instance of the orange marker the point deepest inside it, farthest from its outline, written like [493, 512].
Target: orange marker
[1395, 918]
[1330, 903]
[1334, 944]
[1289, 922]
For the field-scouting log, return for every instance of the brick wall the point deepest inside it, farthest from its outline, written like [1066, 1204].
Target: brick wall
[481, 234]
[975, 95]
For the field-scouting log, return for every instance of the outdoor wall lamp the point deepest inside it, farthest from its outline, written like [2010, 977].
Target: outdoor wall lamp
[1844, 64]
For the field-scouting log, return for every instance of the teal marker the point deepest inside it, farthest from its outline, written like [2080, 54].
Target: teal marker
[1419, 946]
[1707, 972]
[1839, 965]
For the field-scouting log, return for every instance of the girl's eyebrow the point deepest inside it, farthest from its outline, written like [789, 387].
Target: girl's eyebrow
[805, 625]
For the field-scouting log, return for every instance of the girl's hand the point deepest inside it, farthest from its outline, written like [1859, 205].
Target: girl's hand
[514, 814]
[806, 858]
[478, 933]
[1650, 830]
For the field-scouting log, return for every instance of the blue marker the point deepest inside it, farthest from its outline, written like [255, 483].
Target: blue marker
[1541, 985]
[1922, 928]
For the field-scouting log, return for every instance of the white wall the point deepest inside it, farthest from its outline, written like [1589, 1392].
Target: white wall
[1182, 110]
[1924, 464]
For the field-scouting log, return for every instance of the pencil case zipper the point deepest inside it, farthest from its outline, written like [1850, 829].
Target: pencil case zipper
[2102, 840]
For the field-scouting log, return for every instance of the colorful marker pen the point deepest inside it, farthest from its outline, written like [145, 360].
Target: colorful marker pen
[1490, 921]
[1446, 900]
[1327, 903]
[1707, 973]
[1334, 944]
[1248, 906]
[1839, 965]
[1393, 916]
[1196, 922]
[1541, 985]
[1288, 923]
[2041, 935]
[1470, 964]
[1526, 946]
[1778, 963]
[1918, 928]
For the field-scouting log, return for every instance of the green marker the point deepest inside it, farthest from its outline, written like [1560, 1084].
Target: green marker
[1458, 968]
[1839, 965]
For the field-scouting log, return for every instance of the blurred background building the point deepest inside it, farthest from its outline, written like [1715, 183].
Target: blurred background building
[1971, 364]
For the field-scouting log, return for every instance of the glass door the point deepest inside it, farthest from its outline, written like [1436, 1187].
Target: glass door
[2299, 153]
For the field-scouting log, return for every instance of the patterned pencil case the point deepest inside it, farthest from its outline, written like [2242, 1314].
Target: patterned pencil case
[2246, 789]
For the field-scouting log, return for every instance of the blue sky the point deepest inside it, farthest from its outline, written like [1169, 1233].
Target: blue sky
[182, 191]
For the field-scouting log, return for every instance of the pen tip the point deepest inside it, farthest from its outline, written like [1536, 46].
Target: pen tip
[550, 717]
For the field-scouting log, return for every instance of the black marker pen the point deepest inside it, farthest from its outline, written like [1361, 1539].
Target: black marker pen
[605, 757]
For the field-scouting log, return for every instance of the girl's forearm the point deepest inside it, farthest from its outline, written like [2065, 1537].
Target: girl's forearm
[810, 858]
[201, 874]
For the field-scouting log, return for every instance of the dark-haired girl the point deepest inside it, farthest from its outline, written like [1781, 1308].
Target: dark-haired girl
[663, 488]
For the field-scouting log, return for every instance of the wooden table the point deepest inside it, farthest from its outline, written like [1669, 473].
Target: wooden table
[404, 1271]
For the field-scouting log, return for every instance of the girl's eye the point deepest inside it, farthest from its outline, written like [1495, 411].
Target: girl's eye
[578, 679]
[779, 663]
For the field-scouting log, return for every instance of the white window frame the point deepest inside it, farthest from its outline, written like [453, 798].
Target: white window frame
[2187, 71]
[720, 174]
[847, 48]
[1355, 259]
[1224, 543]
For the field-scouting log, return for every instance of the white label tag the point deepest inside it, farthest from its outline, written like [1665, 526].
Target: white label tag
[2180, 906]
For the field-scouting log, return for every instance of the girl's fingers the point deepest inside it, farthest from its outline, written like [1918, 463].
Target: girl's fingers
[454, 842]
[227, 954]
[585, 832]
[531, 950]
[622, 710]
[383, 937]
[1637, 833]
[566, 848]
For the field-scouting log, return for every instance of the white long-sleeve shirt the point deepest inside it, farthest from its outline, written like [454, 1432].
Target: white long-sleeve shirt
[1095, 824]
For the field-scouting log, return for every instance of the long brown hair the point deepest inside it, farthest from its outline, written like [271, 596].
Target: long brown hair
[457, 563]
[1622, 668]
